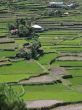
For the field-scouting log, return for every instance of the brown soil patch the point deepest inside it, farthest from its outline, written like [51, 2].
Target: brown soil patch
[38, 80]
[70, 58]
[71, 54]
[4, 62]
[37, 104]
[58, 71]
[54, 76]
[6, 40]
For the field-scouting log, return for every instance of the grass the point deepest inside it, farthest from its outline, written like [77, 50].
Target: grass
[55, 41]
[69, 18]
[76, 80]
[13, 77]
[7, 53]
[48, 49]
[19, 70]
[68, 63]
[75, 72]
[21, 67]
[60, 32]
[20, 42]
[8, 46]
[46, 58]
[77, 41]
[56, 92]
[69, 49]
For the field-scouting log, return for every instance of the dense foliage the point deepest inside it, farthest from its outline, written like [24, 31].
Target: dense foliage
[9, 100]
[21, 28]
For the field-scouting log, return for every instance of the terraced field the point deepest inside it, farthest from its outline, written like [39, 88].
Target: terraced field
[57, 74]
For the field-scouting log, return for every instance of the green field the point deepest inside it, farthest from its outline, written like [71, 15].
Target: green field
[58, 92]
[55, 42]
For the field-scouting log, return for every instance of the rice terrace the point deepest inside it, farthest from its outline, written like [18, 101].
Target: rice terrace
[40, 54]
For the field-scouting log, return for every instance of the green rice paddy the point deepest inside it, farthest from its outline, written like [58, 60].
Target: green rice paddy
[54, 42]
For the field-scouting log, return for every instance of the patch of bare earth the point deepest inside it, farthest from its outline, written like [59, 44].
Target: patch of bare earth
[69, 107]
[69, 58]
[38, 104]
[6, 40]
[54, 75]
[40, 79]
[4, 62]
[58, 71]
[71, 54]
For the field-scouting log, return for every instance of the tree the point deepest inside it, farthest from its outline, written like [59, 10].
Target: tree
[35, 47]
[24, 30]
[9, 100]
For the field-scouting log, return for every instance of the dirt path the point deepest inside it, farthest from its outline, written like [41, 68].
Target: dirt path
[45, 70]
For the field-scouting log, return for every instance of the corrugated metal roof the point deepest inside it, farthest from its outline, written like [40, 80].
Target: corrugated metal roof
[36, 26]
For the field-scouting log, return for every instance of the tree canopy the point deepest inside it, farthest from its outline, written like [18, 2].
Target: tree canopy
[9, 100]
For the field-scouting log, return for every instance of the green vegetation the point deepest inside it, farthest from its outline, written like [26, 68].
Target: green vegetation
[62, 36]
[68, 63]
[56, 91]
[9, 100]
[20, 68]
[46, 58]
[7, 53]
